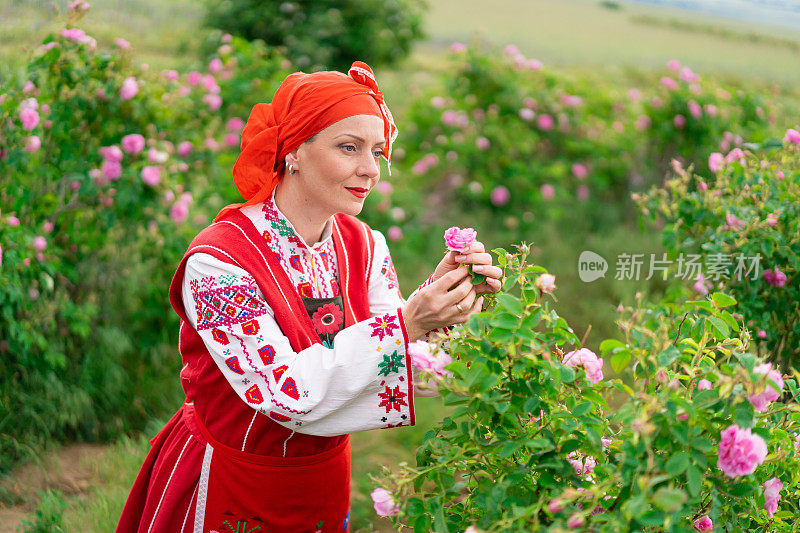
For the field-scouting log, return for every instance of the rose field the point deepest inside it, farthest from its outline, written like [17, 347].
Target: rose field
[654, 150]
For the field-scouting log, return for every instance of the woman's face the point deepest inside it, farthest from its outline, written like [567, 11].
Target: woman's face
[340, 165]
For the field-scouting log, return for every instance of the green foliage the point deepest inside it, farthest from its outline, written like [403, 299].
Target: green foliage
[638, 452]
[325, 35]
[48, 517]
[87, 336]
[748, 209]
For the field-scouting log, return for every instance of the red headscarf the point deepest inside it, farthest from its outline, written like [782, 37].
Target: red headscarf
[303, 105]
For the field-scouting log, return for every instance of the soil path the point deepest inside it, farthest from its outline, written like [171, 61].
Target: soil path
[70, 470]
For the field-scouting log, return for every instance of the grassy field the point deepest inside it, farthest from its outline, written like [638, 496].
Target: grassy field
[579, 34]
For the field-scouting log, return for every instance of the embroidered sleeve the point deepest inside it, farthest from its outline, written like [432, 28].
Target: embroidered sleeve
[363, 381]
[384, 295]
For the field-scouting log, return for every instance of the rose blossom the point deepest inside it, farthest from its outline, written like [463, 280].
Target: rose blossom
[215, 65]
[156, 156]
[213, 101]
[111, 170]
[588, 360]
[548, 191]
[701, 285]
[772, 489]
[526, 114]
[669, 83]
[575, 521]
[179, 212]
[111, 153]
[703, 384]
[579, 171]
[384, 503]
[674, 65]
[555, 505]
[122, 43]
[151, 175]
[235, 124]
[424, 359]
[733, 222]
[184, 148]
[740, 451]
[129, 88]
[458, 240]
[703, 524]
[545, 122]
[500, 195]
[482, 143]
[39, 243]
[29, 118]
[231, 139]
[458, 47]
[775, 277]
[32, 143]
[679, 121]
[761, 400]
[546, 283]
[792, 136]
[583, 466]
[132, 144]
[394, 233]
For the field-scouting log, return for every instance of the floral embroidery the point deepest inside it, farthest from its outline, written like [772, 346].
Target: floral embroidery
[327, 319]
[226, 306]
[392, 398]
[391, 363]
[383, 326]
[388, 271]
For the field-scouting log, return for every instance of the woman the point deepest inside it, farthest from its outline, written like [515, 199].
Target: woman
[293, 330]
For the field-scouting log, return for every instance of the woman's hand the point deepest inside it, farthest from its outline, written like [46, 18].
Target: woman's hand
[449, 300]
[482, 264]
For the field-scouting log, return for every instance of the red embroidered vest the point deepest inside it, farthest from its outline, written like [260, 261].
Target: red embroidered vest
[234, 239]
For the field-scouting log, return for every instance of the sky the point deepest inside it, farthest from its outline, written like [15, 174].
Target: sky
[778, 12]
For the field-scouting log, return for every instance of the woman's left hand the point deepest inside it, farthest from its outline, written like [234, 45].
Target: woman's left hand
[482, 264]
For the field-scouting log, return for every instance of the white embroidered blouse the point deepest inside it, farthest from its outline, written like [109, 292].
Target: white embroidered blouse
[357, 383]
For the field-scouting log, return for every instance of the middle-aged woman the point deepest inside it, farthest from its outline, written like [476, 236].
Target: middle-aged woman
[293, 330]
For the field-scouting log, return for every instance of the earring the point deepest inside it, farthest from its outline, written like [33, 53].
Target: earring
[290, 167]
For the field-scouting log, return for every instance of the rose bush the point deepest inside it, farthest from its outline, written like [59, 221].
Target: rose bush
[740, 218]
[107, 170]
[536, 440]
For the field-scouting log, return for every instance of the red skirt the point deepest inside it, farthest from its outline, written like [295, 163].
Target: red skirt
[190, 482]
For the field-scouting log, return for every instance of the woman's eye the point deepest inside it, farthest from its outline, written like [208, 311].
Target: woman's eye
[347, 146]
[377, 153]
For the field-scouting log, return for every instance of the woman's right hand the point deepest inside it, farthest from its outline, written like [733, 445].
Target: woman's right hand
[435, 306]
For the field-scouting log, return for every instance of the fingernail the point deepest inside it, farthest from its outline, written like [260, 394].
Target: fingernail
[477, 268]
[460, 257]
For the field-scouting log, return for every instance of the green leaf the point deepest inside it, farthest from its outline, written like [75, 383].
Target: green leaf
[414, 507]
[702, 304]
[510, 303]
[509, 448]
[477, 279]
[694, 480]
[620, 360]
[669, 499]
[722, 300]
[610, 344]
[570, 446]
[720, 329]
[581, 409]
[676, 464]
[439, 523]
[668, 356]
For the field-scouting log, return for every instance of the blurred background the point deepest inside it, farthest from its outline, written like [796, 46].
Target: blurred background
[536, 121]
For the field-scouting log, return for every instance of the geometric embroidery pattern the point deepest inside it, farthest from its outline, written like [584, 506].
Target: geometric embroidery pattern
[267, 353]
[289, 388]
[253, 395]
[225, 306]
[383, 325]
[392, 398]
[391, 363]
[219, 336]
[233, 364]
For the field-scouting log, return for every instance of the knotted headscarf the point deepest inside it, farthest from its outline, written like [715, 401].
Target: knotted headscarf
[303, 105]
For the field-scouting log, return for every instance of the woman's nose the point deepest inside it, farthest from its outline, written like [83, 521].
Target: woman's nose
[369, 166]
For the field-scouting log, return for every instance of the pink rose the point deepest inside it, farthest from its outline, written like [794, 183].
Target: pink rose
[500, 195]
[703, 524]
[213, 101]
[156, 156]
[701, 285]
[235, 124]
[194, 78]
[674, 65]
[122, 43]
[575, 521]
[711, 110]
[13, 222]
[571, 100]
[458, 47]
[179, 212]
[129, 88]
[215, 65]
[555, 505]
[210, 84]
[688, 76]
[526, 114]
[533, 64]
[458, 240]
[797, 442]
[695, 110]
[733, 222]
[772, 219]
[111, 170]
[384, 503]
[583, 193]
[775, 277]
[111, 153]
[29, 118]
[423, 358]
[643, 122]
[231, 140]
[133, 143]
[634, 95]
[184, 148]
[151, 175]
[579, 171]
[548, 191]
[679, 121]
[546, 283]
[772, 489]
[384, 187]
[48, 227]
[703, 384]
[761, 400]
[32, 143]
[588, 360]
[545, 122]
[394, 233]
[762, 334]
[740, 451]
[39, 243]
[583, 466]
[669, 83]
[792, 136]
[482, 143]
